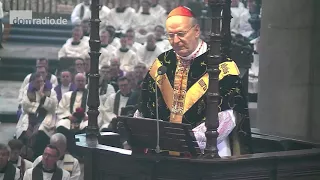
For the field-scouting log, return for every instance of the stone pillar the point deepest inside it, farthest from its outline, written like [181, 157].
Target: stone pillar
[289, 72]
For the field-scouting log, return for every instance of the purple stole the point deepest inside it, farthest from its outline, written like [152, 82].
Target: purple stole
[59, 92]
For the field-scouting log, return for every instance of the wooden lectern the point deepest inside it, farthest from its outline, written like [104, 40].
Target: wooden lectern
[275, 158]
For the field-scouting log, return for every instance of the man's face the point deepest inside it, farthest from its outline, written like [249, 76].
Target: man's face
[66, 78]
[87, 65]
[114, 68]
[159, 32]
[124, 87]
[130, 37]
[86, 27]
[145, 6]
[252, 6]
[49, 158]
[123, 42]
[182, 34]
[104, 37]
[4, 158]
[234, 3]
[14, 155]
[42, 71]
[151, 42]
[79, 66]
[42, 63]
[105, 73]
[38, 82]
[80, 82]
[77, 34]
[139, 72]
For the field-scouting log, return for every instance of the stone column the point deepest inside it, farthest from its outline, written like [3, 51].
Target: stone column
[289, 72]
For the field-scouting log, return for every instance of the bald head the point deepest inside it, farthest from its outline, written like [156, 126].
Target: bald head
[80, 81]
[60, 141]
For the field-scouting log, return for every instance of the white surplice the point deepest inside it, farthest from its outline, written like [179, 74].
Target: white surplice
[143, 21]
[16, 176]
[46, 176]
[239, 22]
[157, 10]
[103, 16]
[254, 69]
[69, 163]
[75, 16]
[50, 104]
[121, 20]
[108, 113]
[63, 110]
[135, 46]
[226, 118]
[74, 51]
[116, 43]
[107, 54]
[127, 60]
[53, 81]
[147, 57]
[164, 44]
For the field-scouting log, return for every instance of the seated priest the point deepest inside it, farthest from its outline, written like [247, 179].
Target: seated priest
[15, 158]
[128, 58]
[115, 73]
[131, 39]
[66, 84]
[115, 102]
[72, 108]
[143, 23]
[37, 122]
[76, 47]
[149, 52]
[81, 12]
[182, 90]
[66, 160]
[121, 16]
[7, 169]
[105, 88]
[156, 9]
[47, 168]
[107, 51]
[161, 42]
[113, 40]
[103, 16]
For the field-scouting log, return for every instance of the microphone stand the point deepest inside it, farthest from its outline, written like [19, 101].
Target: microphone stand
[157, 115]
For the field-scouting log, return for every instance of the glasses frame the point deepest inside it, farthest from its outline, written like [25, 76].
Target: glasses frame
[180, 34]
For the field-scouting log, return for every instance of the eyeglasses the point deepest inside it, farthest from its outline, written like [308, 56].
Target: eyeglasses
[179, 34]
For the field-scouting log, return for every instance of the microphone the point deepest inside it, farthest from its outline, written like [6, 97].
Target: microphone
[161, 71]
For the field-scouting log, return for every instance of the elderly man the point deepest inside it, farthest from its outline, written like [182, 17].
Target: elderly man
[15, 158]
[66, 84]
[37, 122]
[183, 88]
[149, 52]
[66, 160]
[7, 169]
[76, 47]
[47, 168]
[81, 12]
[143, 23]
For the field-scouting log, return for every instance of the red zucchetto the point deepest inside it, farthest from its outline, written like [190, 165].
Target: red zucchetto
[181, 11]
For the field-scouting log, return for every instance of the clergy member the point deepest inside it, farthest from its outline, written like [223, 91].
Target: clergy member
[7, 169]
[107, 51]
[156, 9]
[143, 23]
[81, 12]
[161, 41]
[72, 108]
[105, 88]
[132, 44]
[240, 19]
[66, 84]
[37, 122]
[103, 16]
[113, 40]
[115, 73]
[149, 52]
[47, 169]
[76, 47]
[182, 96]
[121, 16]
[66, 160]
[15, 158]
[116, 101]
[128, 58]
